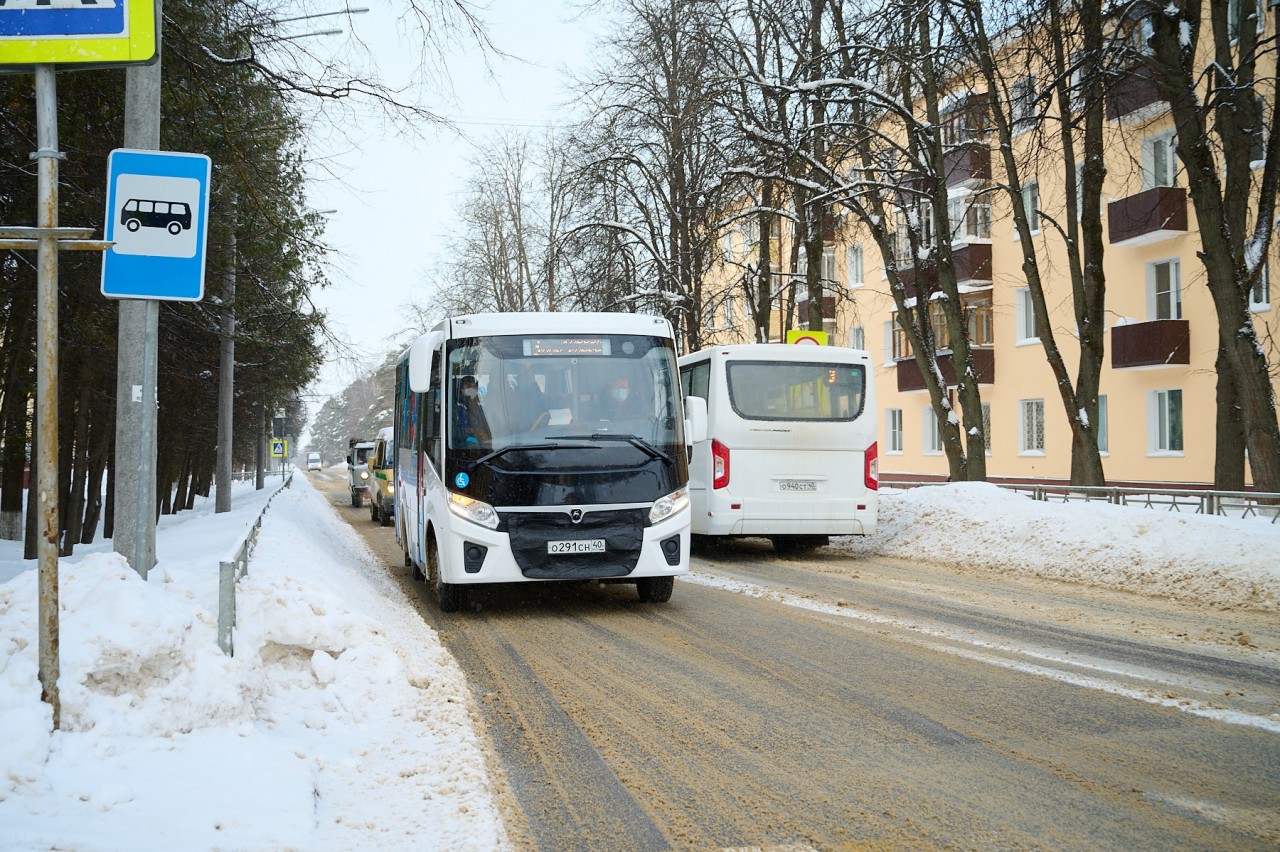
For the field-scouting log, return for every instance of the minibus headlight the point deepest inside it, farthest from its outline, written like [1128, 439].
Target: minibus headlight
[391, 489]
[364, 474]
[665, 507]
[473, 510]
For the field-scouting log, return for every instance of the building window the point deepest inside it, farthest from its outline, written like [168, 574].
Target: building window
[901, 344]
[730, 312]
[1031, 427]
[1260, 292]
[890, 340]
[977, 311]
[970, 220]
[1165, 421]
[1159, 161]
[902, 247]
[829, 264]
[857, 337]
[986, 426]
[1233, 16]
[932, 437]
[1104, 442]
[893, 430]
[1164, 290]
[728, 246]
[1025, 316]
[853, 264]
[1031, 205]
[1022, 95]
[1137, 34]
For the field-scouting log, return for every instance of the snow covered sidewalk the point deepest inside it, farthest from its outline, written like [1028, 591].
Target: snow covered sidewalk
[341, 722]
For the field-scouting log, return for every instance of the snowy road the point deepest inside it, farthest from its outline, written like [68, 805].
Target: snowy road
[846, 700]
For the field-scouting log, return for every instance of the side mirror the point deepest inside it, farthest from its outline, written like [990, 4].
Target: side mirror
[695, 420]
[348, 459]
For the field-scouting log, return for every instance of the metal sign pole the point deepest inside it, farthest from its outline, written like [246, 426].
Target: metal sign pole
[47, 383]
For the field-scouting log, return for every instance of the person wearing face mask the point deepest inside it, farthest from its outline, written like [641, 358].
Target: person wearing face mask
[471, 427]
[618, 401]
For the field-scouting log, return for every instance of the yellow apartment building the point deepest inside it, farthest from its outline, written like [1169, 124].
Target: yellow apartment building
[1157, 406]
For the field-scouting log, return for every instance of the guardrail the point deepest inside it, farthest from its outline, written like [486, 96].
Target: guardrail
[1240, 504]
[231, 570]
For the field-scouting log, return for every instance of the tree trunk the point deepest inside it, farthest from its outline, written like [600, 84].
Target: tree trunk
[1229, 456]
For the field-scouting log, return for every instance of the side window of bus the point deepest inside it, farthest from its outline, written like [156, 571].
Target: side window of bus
[695, 379]
[431, 417]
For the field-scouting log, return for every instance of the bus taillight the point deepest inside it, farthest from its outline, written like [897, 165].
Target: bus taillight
[719, 464]
[871, 459]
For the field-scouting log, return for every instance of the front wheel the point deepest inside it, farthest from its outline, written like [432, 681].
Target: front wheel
[450, 597]
[385, 517]
[655, 589]
[373, 510]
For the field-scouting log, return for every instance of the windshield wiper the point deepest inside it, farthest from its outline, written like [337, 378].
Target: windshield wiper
[639, 443]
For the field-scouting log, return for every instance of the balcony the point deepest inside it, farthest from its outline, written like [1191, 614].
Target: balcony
[967, 165]
[1158, 343]
[1134, 97]
[1155, 214]
[984, 363]
[973, 269]
[828, 309]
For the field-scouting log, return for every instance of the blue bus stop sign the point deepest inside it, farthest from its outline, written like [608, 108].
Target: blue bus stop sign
[157, 216]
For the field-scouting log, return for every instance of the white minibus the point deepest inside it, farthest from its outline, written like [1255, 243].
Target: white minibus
[543, 446]
[791, 449]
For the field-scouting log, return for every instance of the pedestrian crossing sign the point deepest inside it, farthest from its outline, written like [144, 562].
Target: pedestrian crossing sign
[279, 448]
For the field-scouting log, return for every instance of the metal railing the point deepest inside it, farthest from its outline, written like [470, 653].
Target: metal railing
[232, 569]
[1228, 504]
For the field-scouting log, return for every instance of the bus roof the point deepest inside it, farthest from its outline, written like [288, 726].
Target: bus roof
[481, 325]
[782, 352]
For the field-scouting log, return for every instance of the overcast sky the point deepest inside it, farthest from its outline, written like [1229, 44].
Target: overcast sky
[395, 199]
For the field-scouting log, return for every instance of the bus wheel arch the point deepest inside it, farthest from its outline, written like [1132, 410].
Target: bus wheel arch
[450, 597]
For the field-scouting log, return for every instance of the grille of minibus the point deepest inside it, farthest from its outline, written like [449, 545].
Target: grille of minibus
[621, 529]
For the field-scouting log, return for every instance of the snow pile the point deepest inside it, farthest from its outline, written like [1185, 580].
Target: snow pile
[339, 723]
[1211, 561]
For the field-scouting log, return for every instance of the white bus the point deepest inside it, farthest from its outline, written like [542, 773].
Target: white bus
[543, 447]
[791, 450]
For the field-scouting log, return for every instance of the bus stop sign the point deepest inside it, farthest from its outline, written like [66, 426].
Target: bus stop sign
[157, 216]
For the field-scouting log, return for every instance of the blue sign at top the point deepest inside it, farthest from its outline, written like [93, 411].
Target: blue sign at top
[157, 216]
[62, 17]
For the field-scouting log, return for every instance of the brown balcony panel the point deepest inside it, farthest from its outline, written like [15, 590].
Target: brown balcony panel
[1159, 343]
[972, 262]
[919, 284]
[1134, 96]
[1148, 217]
[828, 308]
[984, 364]
[967, 164]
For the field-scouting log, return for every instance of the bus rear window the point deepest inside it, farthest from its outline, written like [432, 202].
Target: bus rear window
[782, 390]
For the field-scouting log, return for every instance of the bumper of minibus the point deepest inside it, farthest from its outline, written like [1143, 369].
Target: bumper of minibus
[499, 565]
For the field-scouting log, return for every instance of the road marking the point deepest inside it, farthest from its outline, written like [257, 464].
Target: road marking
[1193, 707]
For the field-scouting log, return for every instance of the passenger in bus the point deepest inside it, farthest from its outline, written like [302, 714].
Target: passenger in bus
[530, 402]
[470, 425]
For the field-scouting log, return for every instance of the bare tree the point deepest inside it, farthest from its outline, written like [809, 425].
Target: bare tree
[1209, 63]
[1060, 115]
[657, 153]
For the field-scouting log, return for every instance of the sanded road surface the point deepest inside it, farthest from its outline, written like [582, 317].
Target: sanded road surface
[830, 702]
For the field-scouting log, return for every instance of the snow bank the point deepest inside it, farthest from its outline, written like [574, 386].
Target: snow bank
[340, 722]
[1216, 562]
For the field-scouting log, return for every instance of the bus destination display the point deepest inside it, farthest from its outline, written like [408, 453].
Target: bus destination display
[565, 346]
